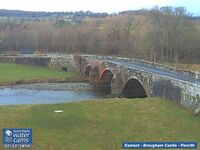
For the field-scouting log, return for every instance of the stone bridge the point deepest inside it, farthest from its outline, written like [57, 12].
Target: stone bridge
[133, 78]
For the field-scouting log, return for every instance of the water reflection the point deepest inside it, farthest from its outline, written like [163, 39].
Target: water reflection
[103, 89]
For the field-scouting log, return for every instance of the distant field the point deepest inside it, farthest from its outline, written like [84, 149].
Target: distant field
[189, 67]
[102, 124]
[16, 72]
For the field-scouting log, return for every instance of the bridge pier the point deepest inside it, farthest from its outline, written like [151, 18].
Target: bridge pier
[117, 86]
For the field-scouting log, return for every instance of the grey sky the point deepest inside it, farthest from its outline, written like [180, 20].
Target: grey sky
[109, 6]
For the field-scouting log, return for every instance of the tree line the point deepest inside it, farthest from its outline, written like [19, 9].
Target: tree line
[164, 34]
[42, 14]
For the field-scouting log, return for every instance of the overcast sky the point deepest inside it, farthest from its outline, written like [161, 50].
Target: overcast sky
[109, 6]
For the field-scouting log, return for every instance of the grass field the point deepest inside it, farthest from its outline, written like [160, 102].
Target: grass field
[15, 72]
[189, 67]
[102, 124]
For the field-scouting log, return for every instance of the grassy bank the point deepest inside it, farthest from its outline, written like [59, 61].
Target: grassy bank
[102, 124]
[10, 73]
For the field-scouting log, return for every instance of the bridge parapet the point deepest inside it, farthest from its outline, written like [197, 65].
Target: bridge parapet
[149, 63]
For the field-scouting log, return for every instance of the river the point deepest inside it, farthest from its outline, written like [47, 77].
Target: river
[49, 93]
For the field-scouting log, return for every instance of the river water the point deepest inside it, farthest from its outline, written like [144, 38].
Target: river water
[49, 93]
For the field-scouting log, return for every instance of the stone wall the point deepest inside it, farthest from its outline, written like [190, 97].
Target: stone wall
[67, 63]
[39, 61]
[33, 60]
[7, 59]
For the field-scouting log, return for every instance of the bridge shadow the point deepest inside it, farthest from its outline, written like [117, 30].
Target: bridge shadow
[134, 89]
[104, 83]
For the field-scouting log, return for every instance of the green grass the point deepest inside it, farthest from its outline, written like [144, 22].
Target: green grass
[189, 67]
[102, 124]
[16, 72]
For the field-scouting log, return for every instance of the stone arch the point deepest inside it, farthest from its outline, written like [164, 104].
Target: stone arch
[94, 75]
[106, 76]
[87, 70]
[133, 88]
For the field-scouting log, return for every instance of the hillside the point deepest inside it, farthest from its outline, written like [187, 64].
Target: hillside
[164, 34]
[42, 14]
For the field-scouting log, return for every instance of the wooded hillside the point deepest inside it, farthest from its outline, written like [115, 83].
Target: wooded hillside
[162, 34]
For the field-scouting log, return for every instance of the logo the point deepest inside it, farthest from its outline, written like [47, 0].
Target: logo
[17, 138]
[8, 133]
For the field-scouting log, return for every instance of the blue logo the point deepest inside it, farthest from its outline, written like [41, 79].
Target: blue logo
[17, 137]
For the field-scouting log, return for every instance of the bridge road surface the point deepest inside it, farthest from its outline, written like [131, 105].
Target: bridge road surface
[155, 70]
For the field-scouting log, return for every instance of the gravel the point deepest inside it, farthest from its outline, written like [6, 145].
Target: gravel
[55, 86]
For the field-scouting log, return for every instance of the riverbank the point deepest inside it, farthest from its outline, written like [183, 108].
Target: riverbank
[72, 86]
[46, 80]
[13, 74]
[102, 124]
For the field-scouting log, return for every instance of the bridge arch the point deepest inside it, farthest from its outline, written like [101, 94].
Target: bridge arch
[134, 88]
[106, 76]
[94, 74]
[87, 70]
